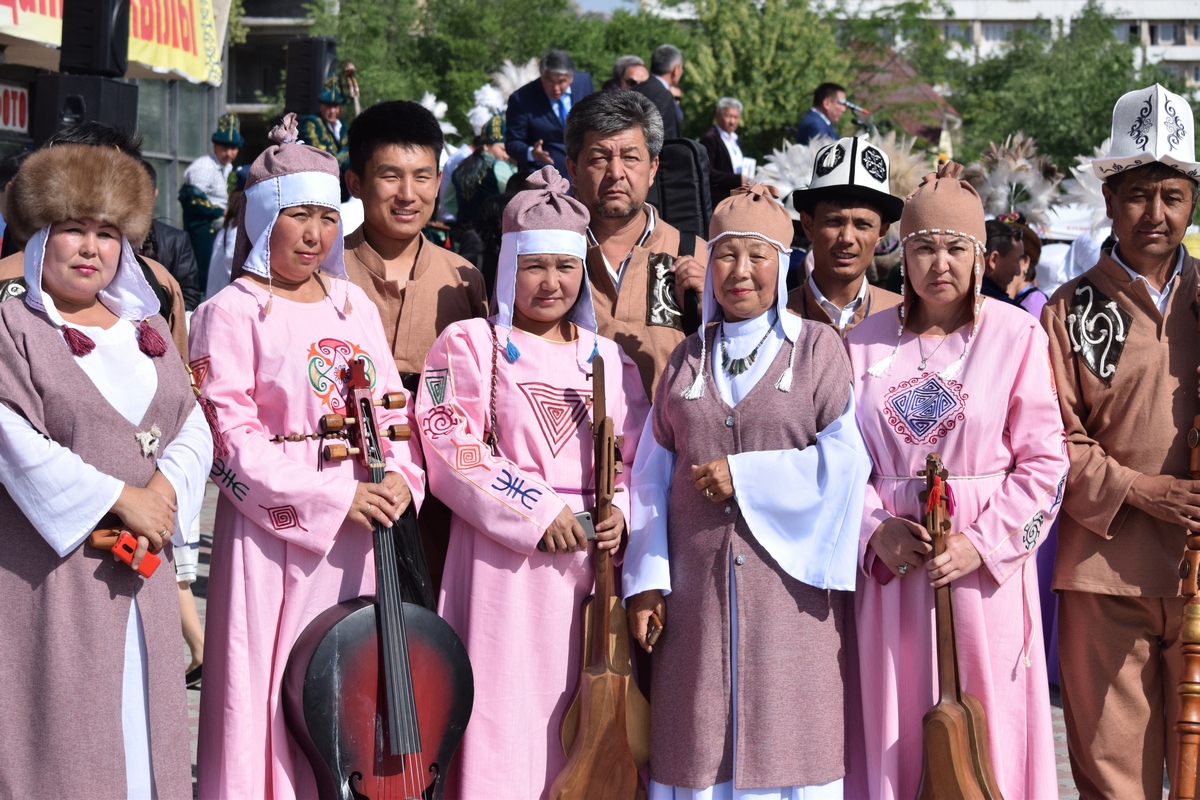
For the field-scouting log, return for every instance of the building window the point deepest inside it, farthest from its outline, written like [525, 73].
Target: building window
[1196, 73]
[1174, 70]
[955, 31]
[997, 31]
[176, 119]
[1163, 33]
[1196, 32]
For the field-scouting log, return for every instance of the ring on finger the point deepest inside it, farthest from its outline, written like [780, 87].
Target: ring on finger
[708, 493]
[903, 568]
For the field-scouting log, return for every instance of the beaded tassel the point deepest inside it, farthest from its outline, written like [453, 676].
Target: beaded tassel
[696, 390]
[150, 341]
[270, 294]
[784, 384]
[595, 350]
[347, 308]
[510, 350]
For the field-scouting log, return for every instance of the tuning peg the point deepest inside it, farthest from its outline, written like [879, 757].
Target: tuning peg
[339, 452]
[619, 441]
[392, 401]
[332, 423]
[399, 433]
[618, 467]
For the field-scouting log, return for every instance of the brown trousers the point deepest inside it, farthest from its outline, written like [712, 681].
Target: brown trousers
[1120, 662]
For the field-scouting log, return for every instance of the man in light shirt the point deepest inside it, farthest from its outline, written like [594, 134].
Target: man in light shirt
[725, 160]
[846, 211]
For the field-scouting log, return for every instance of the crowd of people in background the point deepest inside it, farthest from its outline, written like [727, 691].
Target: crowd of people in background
[776, 383]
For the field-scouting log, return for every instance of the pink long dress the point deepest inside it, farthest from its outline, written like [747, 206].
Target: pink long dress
[515, 608]
[283, 551]
[997, 426]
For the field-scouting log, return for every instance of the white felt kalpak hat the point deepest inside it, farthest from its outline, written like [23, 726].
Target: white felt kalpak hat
[1151, 125]
[851, 168]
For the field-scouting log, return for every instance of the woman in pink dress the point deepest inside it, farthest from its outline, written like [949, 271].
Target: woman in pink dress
[970, 379]
[504, 417]
[293, 536]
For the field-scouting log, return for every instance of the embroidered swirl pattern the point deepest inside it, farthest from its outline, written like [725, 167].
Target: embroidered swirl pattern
[1174, 126]
[1097, 328]
[1139, 132]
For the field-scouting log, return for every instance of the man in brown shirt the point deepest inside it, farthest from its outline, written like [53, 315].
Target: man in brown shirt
[637, 269]
[1124, 349]
[845, 211]
[419, 288]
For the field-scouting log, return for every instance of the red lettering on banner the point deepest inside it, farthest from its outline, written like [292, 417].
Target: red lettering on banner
[10, 4]
[162, 21]
[4, 115]
[187, 38]
[174, 23]
[28, 6]
[22, 120]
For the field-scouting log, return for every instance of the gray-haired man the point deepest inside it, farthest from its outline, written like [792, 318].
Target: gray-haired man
[537, 113]
[634, 261]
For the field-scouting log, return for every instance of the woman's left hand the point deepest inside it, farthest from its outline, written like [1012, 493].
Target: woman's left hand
[713, 480]
[960, 559]
[609, 532]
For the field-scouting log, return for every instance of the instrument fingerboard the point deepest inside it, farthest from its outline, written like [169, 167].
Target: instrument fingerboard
[403, 732]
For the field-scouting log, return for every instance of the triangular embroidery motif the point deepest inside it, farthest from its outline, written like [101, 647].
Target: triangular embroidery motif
[558, 411]
[435, 384]
[200, 370]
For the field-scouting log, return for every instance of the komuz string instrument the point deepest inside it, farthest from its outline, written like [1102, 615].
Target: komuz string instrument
[957, 764]
[606, 730]
[378, 691]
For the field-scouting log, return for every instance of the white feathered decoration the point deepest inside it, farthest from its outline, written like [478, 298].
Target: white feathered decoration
[492, 98]
[1085, 189]
[906, 166]
[510, 77]
[438, 109]
[791, 167]
[1013, 178]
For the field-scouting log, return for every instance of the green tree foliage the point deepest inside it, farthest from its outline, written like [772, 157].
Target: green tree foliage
[1060, 91]
[769, 54]
[379, 37]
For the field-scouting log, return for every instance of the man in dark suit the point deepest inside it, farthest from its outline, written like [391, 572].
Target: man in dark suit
[537, 113]
[724, 153]
[666, 68]
[829, 103]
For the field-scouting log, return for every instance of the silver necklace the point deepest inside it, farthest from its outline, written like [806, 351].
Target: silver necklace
[736, 366]
[921, 350]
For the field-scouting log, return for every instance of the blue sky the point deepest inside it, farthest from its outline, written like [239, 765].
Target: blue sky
[605, 5]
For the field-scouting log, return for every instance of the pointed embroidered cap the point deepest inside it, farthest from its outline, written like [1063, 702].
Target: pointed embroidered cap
[332, 93]
[494, 130]
[851, 169]
[287, 174]
[542, 219]
[229, 131]
[1151, 125]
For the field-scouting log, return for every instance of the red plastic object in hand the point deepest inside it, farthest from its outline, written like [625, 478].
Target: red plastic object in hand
[126, 546]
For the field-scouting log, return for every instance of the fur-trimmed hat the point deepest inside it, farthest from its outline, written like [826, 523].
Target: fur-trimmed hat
[75, 181]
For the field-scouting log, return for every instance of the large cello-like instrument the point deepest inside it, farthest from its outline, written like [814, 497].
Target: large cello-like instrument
[606, 731]
[378, 692]
[957, 763]
[1187, 728]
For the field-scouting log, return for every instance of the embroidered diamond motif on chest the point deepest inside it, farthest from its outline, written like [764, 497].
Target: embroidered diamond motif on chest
[558, 411]
[924, 409]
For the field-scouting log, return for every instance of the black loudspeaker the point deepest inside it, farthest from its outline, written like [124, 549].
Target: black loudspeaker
[309, 63]
[95, 37]
[62, 100]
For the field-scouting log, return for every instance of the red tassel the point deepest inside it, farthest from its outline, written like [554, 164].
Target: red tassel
[949, 500]
[935, 495]
[78, 342]
[220, 449]
[150, 341]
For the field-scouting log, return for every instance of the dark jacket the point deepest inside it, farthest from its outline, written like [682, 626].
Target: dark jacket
[665, 102]
[721, 178]
[812, 125]
[173, 249]
[531, 116]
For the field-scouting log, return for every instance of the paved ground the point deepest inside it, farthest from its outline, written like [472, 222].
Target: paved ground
[1066, 784]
